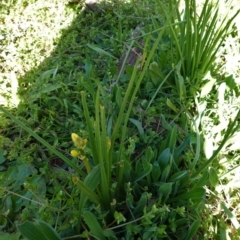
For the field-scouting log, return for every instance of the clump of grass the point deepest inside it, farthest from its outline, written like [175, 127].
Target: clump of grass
[196, 38]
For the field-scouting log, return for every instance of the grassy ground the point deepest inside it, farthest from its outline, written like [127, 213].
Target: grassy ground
[52, 51]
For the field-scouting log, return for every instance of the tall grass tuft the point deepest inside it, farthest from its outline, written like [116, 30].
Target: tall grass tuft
[196, 38]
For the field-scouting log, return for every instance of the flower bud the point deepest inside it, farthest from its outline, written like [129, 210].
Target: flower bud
[74, 153]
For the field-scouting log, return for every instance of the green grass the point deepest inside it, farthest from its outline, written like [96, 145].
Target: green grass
[157, 155]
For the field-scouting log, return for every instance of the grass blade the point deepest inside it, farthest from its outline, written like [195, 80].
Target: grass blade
[100, 51]
[90, 130]
[197, 193]
[92, 181]
[233, 219]
[95, 228]
[138, 125]
[193, 229]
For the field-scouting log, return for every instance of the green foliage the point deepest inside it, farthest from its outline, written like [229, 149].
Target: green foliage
[195, 41]
[38, 230]
[142, 163]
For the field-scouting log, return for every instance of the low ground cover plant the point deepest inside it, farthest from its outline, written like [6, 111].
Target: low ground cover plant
[105, 154]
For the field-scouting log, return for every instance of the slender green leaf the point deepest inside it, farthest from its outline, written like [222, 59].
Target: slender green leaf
[198, 193]
[165, 173]
[149, 154]
[173, 139]
[172, 106]
[156, 171]
[138, 125]
[109, 234]
[141, 204]
[124, 61]
[159, 87]
[222, 227]
[49, 88]
[231, 216]
[93, 225]
[118, 97]
[92, 181]
[106, 144]
[193, 229]
[86, 190]
[203, 180]
[207, 88]
[48, 73]
[101, 146]
[178, 175]
[90, 129]
[164, 191]
[213, 177]
[143, 173]
[164, 158]
[181, 148]
[180, 81]
[100, 51]
[145, 164]
[155, 73]
[165, 124]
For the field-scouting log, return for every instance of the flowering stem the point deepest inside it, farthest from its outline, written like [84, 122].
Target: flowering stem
[87, 165]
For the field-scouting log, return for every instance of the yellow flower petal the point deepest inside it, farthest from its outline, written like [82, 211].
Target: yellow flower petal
[75, 137]
[79, 142]
[74, 153]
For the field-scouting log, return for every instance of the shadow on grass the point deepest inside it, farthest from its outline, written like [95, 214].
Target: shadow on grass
[50, 94]
[50, 105]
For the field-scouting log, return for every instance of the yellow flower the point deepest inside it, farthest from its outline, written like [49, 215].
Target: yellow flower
[79, 142]
[74, 153]
[74, 137]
